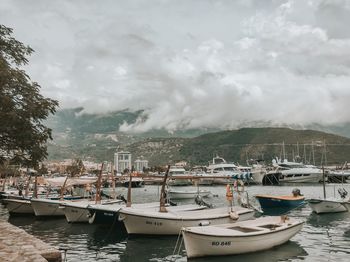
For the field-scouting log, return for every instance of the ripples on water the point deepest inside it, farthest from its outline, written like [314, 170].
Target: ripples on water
[323, 237]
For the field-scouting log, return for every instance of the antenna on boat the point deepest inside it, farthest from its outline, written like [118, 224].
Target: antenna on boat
[323, 182]
[162, 193]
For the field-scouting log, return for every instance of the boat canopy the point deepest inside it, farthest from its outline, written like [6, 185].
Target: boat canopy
[59, 181]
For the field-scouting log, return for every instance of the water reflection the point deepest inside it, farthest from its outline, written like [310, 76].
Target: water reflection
[325, 220]
[149, 248]
[287, 251]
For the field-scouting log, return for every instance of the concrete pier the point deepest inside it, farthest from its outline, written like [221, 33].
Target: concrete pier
[18, 245]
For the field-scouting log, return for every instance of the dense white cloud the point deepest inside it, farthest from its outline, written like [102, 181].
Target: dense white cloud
[191, 64]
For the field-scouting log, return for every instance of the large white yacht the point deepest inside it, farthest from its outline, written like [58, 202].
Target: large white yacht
[175, 174]
[226, 172]
[293, 172]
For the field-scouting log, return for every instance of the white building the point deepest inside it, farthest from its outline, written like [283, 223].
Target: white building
[122, 161]
[140, 164]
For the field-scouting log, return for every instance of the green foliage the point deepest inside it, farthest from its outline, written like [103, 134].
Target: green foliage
[266, 143]
[23, 109]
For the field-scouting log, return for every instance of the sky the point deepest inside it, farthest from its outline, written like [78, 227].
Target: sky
[191, 63]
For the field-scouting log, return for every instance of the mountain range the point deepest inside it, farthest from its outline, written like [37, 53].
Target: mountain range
[96, 137]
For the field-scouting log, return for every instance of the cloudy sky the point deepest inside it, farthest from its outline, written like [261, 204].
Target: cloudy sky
[191, 63]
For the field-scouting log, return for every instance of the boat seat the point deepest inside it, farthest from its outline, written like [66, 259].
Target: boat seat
[270, 226]
[245, 229]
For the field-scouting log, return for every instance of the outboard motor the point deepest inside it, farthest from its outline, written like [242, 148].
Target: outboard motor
[342, 192]
[199, 201]
[296, 192]
[121, 197]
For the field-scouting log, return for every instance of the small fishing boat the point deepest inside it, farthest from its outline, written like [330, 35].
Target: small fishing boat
[109, 214]
[170, 222]
[287, 201]
[19, 206]
[241, 237]
[327, 205]
[187, 194]
[78, 212]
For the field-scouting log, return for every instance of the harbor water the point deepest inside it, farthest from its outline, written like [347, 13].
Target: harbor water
[323, 238]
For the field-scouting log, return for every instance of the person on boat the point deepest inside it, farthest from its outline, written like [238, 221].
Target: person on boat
[296, 192]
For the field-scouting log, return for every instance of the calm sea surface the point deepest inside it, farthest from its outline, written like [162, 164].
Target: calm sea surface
[323, 238]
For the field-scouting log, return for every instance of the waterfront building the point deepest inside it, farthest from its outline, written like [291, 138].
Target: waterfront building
[140, 165]
[122, 161]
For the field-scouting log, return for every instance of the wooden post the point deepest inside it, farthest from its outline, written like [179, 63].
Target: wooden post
[27, 185]
[63, 187]
[35, 193]
[113, 182]
[128, 202]
[162, 193]
[98, 187]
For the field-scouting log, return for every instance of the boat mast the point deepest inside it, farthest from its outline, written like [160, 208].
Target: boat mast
[324, 183]
[162, 193]
[98, 187]
[63, 187]
[113, 181]
[35, 193]
[128, 201]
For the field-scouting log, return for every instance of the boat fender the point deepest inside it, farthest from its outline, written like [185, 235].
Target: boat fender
[204, 223]
[234, 215]
[229, 194]
[284, 218]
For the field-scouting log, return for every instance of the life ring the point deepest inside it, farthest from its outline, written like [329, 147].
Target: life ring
[238, 185]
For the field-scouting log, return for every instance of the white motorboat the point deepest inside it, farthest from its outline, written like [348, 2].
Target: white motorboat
[175, 174]
[327, 205]
[18, 206]
[187, 194]
[241, 237]
[293, 172]
[154, 222]
[223, 171]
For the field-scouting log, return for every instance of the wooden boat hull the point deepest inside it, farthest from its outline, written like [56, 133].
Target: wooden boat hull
[275, 201]
[200, 245]
[76, 214]
[187, 194]
[47, 207]
[140, 224]
[19, 206]
[320, 206]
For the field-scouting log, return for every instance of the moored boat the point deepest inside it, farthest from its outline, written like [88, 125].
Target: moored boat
[241, 237]
[108, 214]
[328, 205]
[187, 194]
[287, 201]
[18, 206]
[154, 222]
[79, 211]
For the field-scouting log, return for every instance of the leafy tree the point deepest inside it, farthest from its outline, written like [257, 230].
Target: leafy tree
[23, 109]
